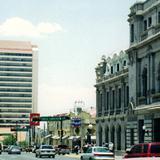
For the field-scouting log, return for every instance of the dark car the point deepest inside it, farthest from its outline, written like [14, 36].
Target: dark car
[14, 150]
[143, 150]
[63, 149]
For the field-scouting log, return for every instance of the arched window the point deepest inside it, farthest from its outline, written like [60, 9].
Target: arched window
[112, 134]
[144, 81]
[107, 134]
[100, 135]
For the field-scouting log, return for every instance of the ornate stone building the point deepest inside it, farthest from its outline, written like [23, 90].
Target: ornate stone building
[112, 99]
[143, 124]
[128, 85]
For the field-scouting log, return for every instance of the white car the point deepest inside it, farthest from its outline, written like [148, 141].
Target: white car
[45, 150]
[97, 153]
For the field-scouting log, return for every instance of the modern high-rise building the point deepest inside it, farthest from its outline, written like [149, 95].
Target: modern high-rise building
[18, 83]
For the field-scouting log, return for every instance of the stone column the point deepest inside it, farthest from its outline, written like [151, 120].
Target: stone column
[123, 137]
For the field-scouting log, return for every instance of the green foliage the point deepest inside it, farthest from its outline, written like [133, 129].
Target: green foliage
[23, 144]
[9, 140]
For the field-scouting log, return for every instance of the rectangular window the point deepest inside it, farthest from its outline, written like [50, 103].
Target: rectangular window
[119, 97]
[158, 17]
[149, 21]
[113, 98]
[118, 67]
[132, 32]
[145, 25]
[107, 100]
[111, 69]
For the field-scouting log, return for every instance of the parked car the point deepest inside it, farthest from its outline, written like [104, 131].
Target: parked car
[63, 149]
[45, 150]
[14, 150]
[97, 153]
[143, 151]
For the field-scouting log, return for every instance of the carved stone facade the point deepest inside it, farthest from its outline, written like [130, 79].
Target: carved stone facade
[143, 125]
[128, 84]
[112, 98]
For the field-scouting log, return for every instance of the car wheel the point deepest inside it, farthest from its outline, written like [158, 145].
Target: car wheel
[36, 155]
[53, 156]
[81, 158]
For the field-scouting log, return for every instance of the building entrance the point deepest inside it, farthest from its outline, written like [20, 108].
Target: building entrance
[156, 130]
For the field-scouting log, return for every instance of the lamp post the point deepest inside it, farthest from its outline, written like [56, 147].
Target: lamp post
[89, 129]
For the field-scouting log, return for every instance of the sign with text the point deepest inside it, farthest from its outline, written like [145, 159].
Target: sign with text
[34, 119]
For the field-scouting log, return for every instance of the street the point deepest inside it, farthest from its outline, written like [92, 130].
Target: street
[31, 156]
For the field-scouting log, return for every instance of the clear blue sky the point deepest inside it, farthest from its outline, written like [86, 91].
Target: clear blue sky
[72, 35]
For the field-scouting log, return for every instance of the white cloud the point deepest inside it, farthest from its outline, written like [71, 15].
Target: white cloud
[17, 26]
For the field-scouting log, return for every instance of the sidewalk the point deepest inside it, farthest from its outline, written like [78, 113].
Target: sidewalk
[73, 155]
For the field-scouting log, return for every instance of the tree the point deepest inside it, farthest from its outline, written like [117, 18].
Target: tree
[9, 140]
[23, 144]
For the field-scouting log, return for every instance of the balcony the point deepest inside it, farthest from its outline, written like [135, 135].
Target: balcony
[150, 31]
[142, 100]
[155, 97]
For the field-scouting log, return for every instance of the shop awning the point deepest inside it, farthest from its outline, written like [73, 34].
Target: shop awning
[73, 137]
[48, 136]
[55, 137]
[64, 137]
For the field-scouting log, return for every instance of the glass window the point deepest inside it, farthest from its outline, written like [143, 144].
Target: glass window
[89, 150]
[149, 21]
[145, 25]
[136, 149]
[100, 149]
[158, 17]
[155, 148]
[111, 69]
[132, 32]
[16, 54]
[145, 148]
[47, 147]
[117, 67]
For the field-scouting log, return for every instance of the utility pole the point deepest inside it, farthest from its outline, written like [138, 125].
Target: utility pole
[61, 127]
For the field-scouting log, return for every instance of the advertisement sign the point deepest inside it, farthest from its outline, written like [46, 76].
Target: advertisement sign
[33, 117]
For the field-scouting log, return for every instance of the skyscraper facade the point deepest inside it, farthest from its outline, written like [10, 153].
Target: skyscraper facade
[18, 83]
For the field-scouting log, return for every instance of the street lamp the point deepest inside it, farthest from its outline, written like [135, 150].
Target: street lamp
[89, 129]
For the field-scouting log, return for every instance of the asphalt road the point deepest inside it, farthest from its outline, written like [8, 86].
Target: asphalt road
[31, 156]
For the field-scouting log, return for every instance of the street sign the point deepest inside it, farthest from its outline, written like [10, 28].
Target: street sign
[54, 118]
[33, 117]
[19, 129]
[76, 122]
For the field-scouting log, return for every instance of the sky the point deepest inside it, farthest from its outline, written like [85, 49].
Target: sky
[72, 36]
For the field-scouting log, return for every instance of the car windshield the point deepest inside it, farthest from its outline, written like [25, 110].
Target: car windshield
[15, 147]
[47, 147]
[101, 149]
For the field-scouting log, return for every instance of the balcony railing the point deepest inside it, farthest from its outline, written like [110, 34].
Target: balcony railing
[155, 97]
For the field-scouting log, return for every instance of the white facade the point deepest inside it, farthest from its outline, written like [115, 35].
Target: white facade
[18, 82]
